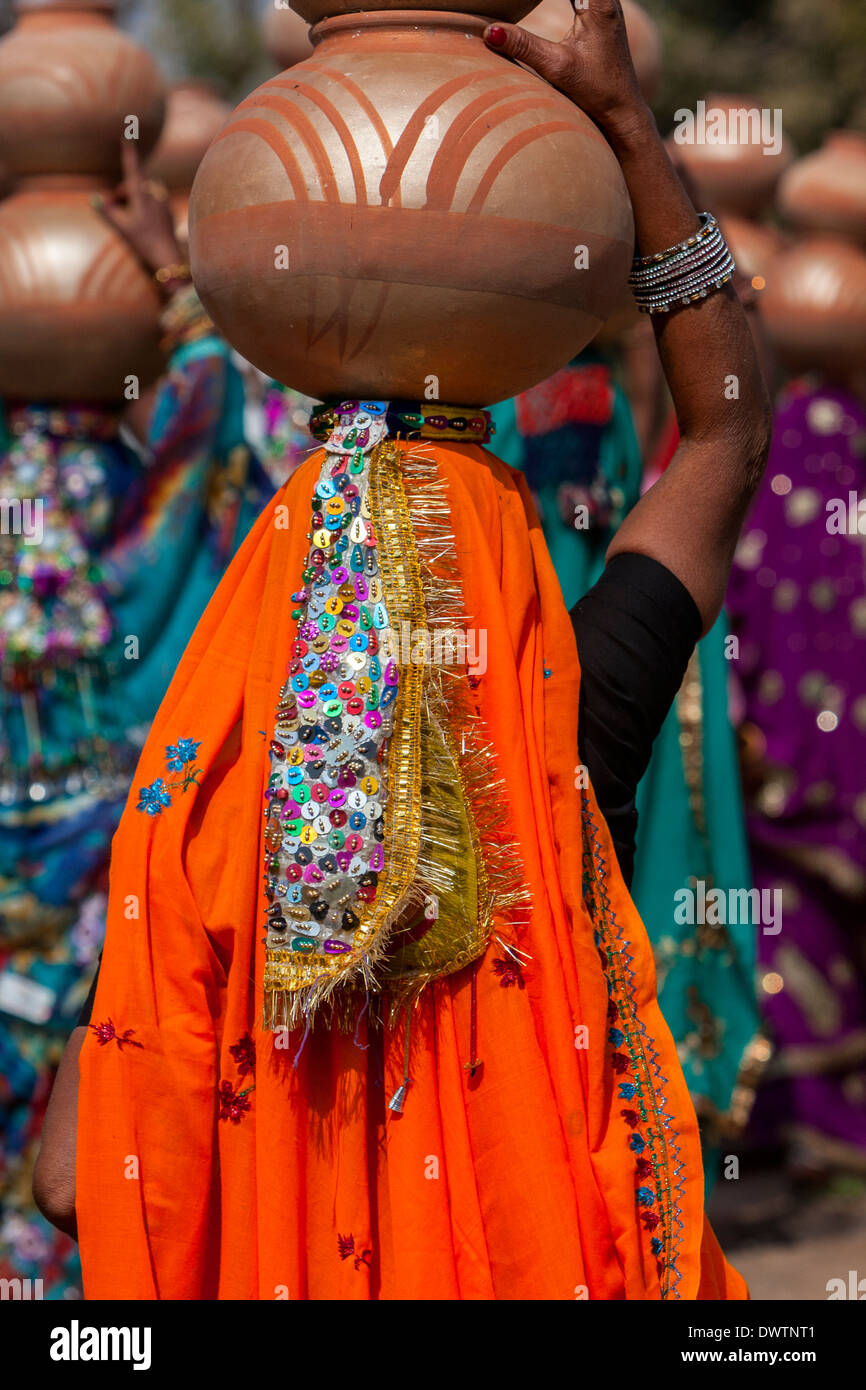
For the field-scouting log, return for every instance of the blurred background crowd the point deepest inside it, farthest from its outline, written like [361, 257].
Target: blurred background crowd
[757, 779]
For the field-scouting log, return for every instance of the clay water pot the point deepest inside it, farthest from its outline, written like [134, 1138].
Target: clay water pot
[734, 176]
[401, 215]
[78, 314]
[553, 19]
[826, 191]
[194, 115]
[287, 37]
[814, 306]
[68, 81]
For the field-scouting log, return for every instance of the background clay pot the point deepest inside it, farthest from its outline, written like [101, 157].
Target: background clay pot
[68, 80]
[732, 177]
[77, 312]
[429, 198]
[194, 116]
[826, 191]
[814, 306]
[287, 37]
[553, 19]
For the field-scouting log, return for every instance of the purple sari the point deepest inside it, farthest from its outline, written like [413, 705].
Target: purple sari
[798, 605]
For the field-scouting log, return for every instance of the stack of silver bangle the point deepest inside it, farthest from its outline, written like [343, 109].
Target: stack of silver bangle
[685, 273]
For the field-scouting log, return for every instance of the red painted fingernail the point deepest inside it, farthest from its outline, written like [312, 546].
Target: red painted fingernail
[496, 36]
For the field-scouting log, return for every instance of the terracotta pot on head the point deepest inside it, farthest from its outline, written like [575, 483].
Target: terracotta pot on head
[78, 313]
[814, 307]
[408, 213]
[194, 116]
[732, 173]
[826, 191]
[553, 19]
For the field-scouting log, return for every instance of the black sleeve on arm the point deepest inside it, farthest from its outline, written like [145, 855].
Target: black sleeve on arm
[636, 630]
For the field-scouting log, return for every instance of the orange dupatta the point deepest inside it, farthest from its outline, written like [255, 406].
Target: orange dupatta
[567, 1166]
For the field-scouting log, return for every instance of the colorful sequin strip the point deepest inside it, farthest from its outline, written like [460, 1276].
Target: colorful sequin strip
[333, 872]
[416, 420]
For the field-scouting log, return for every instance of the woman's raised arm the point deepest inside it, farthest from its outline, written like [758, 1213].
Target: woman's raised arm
[689, 521]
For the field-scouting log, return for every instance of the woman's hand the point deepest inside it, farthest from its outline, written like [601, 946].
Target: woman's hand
[141, 216]
[592, 66]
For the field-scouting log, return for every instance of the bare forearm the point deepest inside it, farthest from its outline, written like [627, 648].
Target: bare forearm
[54, 1175]
[704, 346]
[690, 520]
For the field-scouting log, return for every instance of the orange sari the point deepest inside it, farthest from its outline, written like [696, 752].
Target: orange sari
[567, 1165]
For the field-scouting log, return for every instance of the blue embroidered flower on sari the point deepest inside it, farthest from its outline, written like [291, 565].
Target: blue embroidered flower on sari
[179, 757]
[153, 798]
[177, 754]
[646, 1196]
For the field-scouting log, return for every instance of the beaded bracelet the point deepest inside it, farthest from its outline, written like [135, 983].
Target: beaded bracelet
[708, 223]
[685, 273]
[707, 270]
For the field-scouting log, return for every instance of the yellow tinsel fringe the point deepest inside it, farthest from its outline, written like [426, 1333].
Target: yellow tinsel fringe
[424, 848]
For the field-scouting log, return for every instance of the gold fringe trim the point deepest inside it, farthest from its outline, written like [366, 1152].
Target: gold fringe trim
[502, 896]
[295, 987]
[438, 736]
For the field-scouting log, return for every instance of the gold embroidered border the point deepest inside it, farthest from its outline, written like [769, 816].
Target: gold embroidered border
[451, 715]
[288, 973]
[421, 580]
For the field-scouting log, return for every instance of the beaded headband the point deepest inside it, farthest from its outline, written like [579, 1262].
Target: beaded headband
[412, 420]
